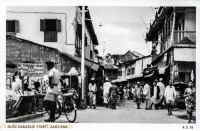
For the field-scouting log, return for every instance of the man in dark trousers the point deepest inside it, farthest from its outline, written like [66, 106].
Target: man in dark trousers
[52, 90]
[156, 94]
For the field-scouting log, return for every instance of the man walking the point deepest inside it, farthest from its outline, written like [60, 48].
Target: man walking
[106, 88]
[92, 93]
[138, 92]
[170, 95]
[113, 93]
[147, 94]
[156, 94]
[121, 92]
[52, 90]
[162, 92]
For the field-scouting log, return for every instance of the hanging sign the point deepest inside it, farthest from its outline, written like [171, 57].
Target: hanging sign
[32, 70]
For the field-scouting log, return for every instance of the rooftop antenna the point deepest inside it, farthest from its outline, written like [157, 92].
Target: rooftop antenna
[144, 23]
[144, 38]
[153, 11]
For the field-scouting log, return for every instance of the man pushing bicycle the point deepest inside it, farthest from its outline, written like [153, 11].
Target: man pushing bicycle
[52, 90]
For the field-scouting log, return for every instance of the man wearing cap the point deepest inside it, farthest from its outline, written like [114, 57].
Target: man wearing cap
[138, 92]
[106, 88]
[52, 90]
[147, 93]
[156, 94]
[162, 91]
[92, 93]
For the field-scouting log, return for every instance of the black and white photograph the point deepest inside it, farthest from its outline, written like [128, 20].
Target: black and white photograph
[101, 64]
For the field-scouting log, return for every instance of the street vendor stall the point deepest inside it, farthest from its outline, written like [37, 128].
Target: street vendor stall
[71, 82]
[22, 97]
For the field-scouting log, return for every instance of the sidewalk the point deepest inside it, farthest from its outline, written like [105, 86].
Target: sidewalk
[24, 117]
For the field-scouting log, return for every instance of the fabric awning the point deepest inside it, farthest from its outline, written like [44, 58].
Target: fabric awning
[120, 80]
[149, 75]
[162, 70]
[135, 76]
[89, 64]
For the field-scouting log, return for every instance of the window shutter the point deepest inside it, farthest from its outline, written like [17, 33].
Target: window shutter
[58, 25]
[50, 36]
[16, 26]
[42, 25]
[86, 41]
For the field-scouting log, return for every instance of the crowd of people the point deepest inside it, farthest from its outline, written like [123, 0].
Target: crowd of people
[155, 95]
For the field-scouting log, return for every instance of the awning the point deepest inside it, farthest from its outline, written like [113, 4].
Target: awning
[162, 70]
[149, 75]
[89, 64]
[120, 80]
[135, 76]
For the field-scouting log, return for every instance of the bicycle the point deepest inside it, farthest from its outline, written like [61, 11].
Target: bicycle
[66, 106]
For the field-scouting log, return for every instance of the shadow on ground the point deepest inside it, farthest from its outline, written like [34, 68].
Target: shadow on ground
[184, 117]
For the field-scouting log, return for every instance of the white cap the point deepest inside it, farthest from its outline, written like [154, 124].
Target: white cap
[106, 79]
[160, 79]
[92, 79]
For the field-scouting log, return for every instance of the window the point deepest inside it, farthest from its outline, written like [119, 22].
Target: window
[91, 54]
[12, 26]
[132, 71]
[51, 27]
[119, 73]
[86, 41]
[129, 71]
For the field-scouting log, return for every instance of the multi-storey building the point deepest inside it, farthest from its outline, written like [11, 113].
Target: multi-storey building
[173, 37]
[41, 34]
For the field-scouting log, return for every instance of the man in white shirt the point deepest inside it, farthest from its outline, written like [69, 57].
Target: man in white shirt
[92, 93]
[106, 88]
[147, 94]
[170, 94]
[52, 90]
[162, 91]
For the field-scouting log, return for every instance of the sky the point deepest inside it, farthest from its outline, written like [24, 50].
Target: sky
[123, 29]
[121, 26]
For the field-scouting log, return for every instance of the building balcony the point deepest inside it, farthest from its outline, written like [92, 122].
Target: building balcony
[184, 37]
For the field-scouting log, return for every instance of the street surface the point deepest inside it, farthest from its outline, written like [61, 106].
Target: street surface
[126, 112]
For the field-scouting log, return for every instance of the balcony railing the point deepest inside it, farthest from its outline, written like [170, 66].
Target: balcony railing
[179, 37]
[184, 37]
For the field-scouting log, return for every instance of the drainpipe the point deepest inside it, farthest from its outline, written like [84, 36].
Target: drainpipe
[171, 41]
[83, 54]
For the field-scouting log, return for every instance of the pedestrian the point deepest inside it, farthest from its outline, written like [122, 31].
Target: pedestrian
[128, 93]
[124, 90]
[138, 93]
[189, 90]
[121, 92]
[162, 92]
[155, 96]
[113, 93]
[101, 93]
[133, 92]
[170, 94]
[147, 94]
[92, 93]
[190, 104]
[52, 90]
[106, 88]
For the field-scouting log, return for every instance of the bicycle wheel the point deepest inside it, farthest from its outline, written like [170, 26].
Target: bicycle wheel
[57, 110]
[70, 110]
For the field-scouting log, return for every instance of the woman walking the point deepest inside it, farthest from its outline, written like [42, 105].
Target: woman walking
[113, 93]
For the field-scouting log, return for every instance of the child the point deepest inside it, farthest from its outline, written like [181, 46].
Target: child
[190, 104]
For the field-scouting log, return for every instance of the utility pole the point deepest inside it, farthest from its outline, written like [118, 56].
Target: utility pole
[83, 55]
